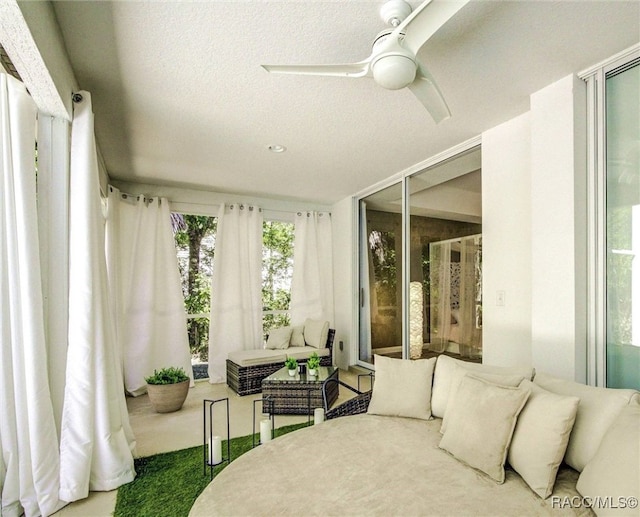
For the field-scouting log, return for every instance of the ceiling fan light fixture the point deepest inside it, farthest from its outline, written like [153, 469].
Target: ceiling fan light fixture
[394, 71]
[276, 148]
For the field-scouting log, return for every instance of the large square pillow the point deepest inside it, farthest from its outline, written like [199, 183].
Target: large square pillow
[597, 409]
[541, 437]
[316, 333]
[444, 373]
[613, 474]
[481, 423]
[279, 338]
[402, 387]
[457, 374]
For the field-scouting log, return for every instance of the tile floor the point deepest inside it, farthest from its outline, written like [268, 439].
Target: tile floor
[157, 432]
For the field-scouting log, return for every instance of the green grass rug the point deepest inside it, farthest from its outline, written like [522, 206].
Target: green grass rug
[168, 484]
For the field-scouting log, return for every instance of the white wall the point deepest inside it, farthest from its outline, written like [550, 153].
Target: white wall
[506, 242]
[559, 229]
[534, 237]
[344, 286]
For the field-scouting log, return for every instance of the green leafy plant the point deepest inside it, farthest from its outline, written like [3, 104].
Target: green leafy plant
[313, 362]
[291, 363]
[170, 375]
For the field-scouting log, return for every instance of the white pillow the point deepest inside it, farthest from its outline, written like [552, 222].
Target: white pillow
[279, 338]
[402, 387]
[316, 333]
[481, 423]
[459, 372]
[541, 437]
[613, 473]
[297, 336]
[597, 409]
[442, 377]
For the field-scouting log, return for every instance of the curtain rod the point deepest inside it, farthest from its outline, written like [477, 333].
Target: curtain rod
[137, 197]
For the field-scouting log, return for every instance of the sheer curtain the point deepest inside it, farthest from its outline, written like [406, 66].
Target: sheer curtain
[470, 331]
[146, 288]
[440, 311]
[236, 286]
[312, 281]
[96, 438]
[29, 460]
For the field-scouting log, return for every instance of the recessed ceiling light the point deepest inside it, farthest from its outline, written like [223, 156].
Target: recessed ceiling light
[276, 148]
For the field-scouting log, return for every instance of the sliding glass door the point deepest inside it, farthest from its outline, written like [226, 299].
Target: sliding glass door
[623, 226]
[421, 267]
[381, 274]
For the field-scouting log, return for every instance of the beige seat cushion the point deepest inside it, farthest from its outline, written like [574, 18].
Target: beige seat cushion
[597, 409]
[402, 388]
[445, 372]
[541, 437]
[482, 418]
[256, 357]
[304, 352]
[614, 472]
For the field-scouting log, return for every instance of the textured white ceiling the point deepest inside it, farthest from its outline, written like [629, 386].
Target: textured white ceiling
[180, 97]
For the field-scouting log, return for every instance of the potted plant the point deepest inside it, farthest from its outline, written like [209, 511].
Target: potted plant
[167, 389]
[313, 363]
[292, 365]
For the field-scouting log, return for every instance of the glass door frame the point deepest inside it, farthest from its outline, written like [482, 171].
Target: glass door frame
[403, 178]
[596, 77]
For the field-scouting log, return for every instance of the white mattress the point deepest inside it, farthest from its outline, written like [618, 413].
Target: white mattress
[369, 465]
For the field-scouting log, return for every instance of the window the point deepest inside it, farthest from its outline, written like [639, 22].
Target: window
[614, 221]
[195, 238]
[277, 270]
[622, 227]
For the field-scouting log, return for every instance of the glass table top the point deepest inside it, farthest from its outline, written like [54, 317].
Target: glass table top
[282, 375]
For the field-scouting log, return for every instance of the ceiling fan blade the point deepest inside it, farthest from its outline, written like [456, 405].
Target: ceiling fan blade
[425, 21]
[360, 69]
[426, 90]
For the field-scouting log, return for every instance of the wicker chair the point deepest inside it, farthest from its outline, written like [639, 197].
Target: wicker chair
[353, 406]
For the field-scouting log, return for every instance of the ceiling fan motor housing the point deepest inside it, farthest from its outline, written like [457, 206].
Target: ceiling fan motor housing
[394, 71]
[393, 67]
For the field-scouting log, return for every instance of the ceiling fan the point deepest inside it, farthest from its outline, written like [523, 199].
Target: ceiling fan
[393, 63]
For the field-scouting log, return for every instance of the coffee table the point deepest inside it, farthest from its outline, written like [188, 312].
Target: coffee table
[283, 394]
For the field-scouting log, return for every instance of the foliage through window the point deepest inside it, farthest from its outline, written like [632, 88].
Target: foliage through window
[195, 238]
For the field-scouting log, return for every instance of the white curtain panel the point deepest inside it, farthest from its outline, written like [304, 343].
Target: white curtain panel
[236, 287]
[29, 460]
[312, 281]
[470, 334]
[96, 439]
[440, 276]
[146, 288]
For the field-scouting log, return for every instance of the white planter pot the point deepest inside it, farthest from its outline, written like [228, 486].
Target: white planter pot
[293, 373]
[311, 372]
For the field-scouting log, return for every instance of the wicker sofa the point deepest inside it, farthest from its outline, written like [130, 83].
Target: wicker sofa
[247, 368]
[378, 463]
